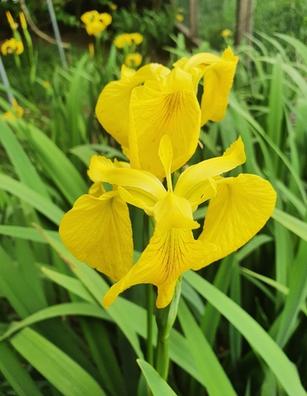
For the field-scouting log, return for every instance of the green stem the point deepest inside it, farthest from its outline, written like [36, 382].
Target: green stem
[150, 313]
[165, 320]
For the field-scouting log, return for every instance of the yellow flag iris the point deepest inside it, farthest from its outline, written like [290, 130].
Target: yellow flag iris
[99, 232]
[126, 40]
[143, 105]
[133, 60]
[95, 22]
[12, 46]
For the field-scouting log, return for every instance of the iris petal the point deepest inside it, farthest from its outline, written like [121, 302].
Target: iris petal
[166, 107]
[166, 257]
[103, 170]
[112, 108]
[218, 80]
[196, 183]
[241, 207]
[90, 230]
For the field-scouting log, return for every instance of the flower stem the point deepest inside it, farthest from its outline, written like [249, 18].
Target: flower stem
[150, 313]
[165, 320]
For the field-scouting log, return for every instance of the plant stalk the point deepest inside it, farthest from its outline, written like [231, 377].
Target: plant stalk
[165, 320]
[150, 313]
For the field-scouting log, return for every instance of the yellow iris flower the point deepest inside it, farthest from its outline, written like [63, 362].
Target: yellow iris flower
[127, 39]
[154, 100]
[226, 33]
[179, 17]
[133, 60]
[113, 6]
[97, 229]
[95, 22]
[12, 46]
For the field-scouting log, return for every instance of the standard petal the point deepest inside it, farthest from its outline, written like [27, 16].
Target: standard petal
[112, 108]
[196, 183]
[241, 207]
[168, 107]
[166, 257]
[218, 80]
[98, 232]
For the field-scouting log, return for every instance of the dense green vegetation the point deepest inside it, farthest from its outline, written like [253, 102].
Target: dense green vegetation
[241, 327]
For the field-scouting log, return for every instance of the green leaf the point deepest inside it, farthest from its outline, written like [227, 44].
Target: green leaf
[54, 311]
[215, 379]
[23, 166]
[271, 282]
[68, 282]
[15, 373]
[17, 292]
[257, 337]
[296, 297]
[27, 233]
[58, 368]
[57, 166]
[292, 223]
[37, 201]
[252, 245]
[156, 383]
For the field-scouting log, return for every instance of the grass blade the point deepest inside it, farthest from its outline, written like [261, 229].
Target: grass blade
[156, 384]
[257, 337]
[57, 367]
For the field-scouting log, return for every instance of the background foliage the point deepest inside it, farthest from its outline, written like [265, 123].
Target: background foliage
[241, 327]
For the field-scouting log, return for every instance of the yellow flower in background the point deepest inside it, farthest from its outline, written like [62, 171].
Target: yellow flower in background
[46, 84]
[226, 33]
[238, 208]
[113, 6]
[89, 16]
[95, 22]
[179, 17]
[133, 60]
[105, 18]
[136, 38]
[16, 111]
[143, 105]
[94, 28]
[12, 46]
[23, 21]
[127, 39]
[121, 40]
[11, 21]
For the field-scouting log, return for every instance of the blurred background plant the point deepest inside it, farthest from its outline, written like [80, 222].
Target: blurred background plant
[55, 336]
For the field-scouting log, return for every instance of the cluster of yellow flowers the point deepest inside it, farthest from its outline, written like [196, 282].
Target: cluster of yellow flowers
[128, 39]
[155, 115]
[128, 42]
[95, 22]
[12, 46]
[113, 6]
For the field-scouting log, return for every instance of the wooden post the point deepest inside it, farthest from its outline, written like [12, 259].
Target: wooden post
[244, 19]
[193, 18]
